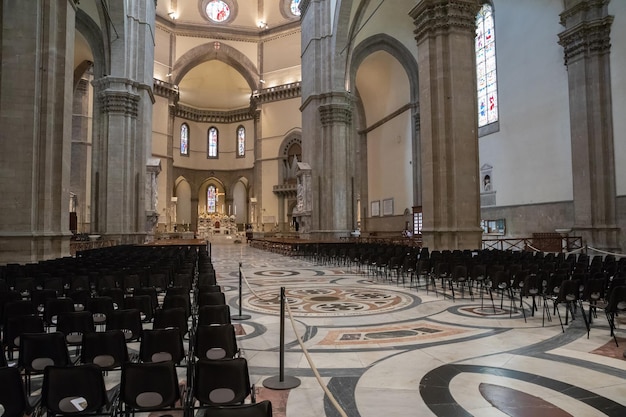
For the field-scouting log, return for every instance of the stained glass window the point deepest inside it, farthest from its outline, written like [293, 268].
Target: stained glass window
[211, 199]
[241, 141]
[212, 143]
[184, 139]
[486, 67]
[294, 7]
[218, 10]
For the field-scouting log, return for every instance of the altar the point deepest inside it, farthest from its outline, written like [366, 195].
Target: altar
[215, 223]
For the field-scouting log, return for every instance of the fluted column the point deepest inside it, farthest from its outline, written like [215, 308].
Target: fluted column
[586, 44]
[445, 33]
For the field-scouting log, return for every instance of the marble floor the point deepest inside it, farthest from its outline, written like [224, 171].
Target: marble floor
[381, 348]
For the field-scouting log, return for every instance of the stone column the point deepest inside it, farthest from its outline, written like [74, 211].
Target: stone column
[257, 185]
[36, 83]
[586, 44]
[80, 183]
[328, 142]
[151, 197]
[445, 33]
[123, 125]
[335, 164]
[119, 177]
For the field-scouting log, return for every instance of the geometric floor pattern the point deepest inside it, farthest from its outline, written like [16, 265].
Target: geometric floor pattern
[382, 349]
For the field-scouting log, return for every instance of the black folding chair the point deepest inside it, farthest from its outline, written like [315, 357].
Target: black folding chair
[74, 390]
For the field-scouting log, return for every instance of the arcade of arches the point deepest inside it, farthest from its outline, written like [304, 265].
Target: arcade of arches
[136, 119]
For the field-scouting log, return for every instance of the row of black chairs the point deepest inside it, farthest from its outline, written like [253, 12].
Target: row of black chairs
[144, 387]
[547, 280]
[212, 343]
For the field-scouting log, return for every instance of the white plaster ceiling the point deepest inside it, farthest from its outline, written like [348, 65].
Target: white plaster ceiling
[214, 85]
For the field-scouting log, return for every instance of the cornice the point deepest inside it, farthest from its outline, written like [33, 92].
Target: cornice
[582, 8]
[214, 116]
[165, 89]
[278, 93]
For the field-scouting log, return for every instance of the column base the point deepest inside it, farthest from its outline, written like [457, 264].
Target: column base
[604, 238]
[452, 239]
[31, 248]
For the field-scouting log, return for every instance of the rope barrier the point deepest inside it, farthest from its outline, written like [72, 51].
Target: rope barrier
[620, 255]
[314, 368]
[330, 396]
[533, 248]
[575, 250]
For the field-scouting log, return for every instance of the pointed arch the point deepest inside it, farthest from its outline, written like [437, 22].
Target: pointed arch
[384, 42]
[222, 52]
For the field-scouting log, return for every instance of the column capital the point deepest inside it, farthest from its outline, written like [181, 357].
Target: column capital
[120, 102]
[586, 31]
[437, 17]
[335, 113]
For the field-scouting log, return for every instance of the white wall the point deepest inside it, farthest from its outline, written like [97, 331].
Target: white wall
[531, 154]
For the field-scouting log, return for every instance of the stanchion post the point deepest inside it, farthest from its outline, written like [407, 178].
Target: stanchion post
[240, 316]
[281, 381]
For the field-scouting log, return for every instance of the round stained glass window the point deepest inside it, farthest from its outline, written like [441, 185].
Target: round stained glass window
[294, 7]
[218, 10]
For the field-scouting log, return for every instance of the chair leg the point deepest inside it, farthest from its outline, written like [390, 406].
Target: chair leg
[556, 308]
[611, 319]
[492, 303]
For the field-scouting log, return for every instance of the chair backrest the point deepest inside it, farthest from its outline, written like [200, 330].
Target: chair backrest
[569, 290]
[143, 303]
[17, 308]
[171, 317]
[161, 345]
[177, 300]
[38, 350]
[211, 298]
[74, 324]
[54, 307]
[128, 321]
[151, 292]
[107, 349]
[149, 385]
[17, 326]
[259, 409]
[617, 300]
[209, 288]
[217, 314]
[158, 281]
[206, 278]
[73, 390]
[215, 342]
[39, 297]
[12, 395]
[100, 308]
[221, 382]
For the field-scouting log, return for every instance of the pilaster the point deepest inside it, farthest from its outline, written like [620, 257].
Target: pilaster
[445, 32]
[587, 45]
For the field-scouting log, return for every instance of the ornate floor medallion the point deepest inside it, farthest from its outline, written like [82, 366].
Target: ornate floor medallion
[331, 301]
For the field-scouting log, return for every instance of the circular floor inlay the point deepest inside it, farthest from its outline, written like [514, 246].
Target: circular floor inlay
[276, 273]
[330, 301]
